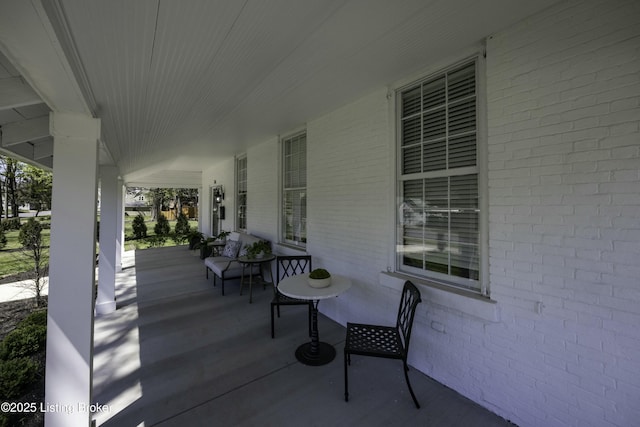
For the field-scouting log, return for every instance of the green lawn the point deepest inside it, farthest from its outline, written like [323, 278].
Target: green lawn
[14, 261]
[12, 258]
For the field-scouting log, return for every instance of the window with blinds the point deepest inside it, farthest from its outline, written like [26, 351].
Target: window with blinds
[439, 211]
[241, 193]
[294, 189]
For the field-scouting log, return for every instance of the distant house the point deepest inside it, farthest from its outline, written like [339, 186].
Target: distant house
[135, 199]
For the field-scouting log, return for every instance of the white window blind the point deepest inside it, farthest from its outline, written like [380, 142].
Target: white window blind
[294, 191]
[439, 211]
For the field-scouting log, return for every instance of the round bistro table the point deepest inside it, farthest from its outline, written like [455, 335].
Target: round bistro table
[314, 353]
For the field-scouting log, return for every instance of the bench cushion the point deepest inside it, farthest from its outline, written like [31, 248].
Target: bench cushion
[227, 265]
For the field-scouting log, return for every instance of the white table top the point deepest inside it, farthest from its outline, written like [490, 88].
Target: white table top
[298, 287]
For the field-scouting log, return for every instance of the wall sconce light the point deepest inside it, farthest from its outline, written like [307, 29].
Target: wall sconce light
[218, 194]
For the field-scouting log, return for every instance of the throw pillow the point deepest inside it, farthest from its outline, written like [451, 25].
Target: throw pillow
[231, 248]
[243, 251]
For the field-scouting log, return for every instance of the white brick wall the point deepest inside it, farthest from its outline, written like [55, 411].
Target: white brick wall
[350, 177]
[262, 190]
[564, 172]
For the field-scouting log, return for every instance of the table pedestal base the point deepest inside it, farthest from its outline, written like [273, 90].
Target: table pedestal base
[325, 353]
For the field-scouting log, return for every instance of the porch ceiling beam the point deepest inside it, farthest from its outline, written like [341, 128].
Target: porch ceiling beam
[17, 93]
[21, 151]
[26, 130]
[43, 149]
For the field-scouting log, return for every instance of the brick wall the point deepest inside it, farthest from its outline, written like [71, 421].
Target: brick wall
[350, 179]
[564, 195]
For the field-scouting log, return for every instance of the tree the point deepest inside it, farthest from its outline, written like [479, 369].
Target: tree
[159, 198]
[30, 238]
[162, 227]
[181, 230]
[35, 188]
[10, 172]
[139, 227]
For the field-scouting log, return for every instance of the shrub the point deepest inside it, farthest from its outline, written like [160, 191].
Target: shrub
[139, 227]
[3, 238]
[162, 227]
[182, 225]
[157, 241]
[16, 375]
[30, 234]
[11, 224]
[25, 340]
[36, 318]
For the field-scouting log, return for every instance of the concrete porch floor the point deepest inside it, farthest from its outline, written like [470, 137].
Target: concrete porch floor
[178, 353]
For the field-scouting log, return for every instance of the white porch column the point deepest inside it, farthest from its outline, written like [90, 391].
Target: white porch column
[106, 301]
[120, 229]
[69, 366]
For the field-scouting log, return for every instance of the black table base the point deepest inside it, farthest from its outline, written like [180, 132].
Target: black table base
[325, 353]
[315, 353]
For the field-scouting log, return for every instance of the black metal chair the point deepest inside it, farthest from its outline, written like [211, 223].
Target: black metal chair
[289, 266]
[391, 342]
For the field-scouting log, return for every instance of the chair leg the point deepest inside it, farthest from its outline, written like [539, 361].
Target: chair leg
[406, 377]
[347, 357]
[207, 271]
[310, 317]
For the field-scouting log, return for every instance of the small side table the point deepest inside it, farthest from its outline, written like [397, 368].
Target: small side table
[264, 262]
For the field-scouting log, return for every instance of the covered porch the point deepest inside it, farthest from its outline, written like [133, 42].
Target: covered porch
[177, 352]
[533, 313]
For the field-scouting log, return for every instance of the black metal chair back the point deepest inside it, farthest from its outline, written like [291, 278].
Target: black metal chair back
[290, 265]
[286, 266]
[407, 310]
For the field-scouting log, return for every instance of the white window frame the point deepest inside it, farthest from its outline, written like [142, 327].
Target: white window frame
[477, 285]
[241, 192]
[297, 186]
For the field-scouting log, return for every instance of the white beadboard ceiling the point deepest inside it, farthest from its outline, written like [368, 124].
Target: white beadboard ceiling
[182, 85]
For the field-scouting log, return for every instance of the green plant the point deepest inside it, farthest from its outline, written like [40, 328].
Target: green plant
[3, 238]
[30, 234]
[195, 238]
[16, 375]
[157, 241]
[182, 225]
[38, 317]
[222, 235]
[139, 227]
[257, 248]
[11, 224]
[162, 227]
[319, 273]
[25, 340]
[30, 237]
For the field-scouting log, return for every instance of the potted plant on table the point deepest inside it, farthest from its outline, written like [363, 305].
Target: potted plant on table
[319, 278]
[195, 238]
[258, 249]
[222, 236]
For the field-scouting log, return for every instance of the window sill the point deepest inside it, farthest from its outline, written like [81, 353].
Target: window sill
[469, 303]
[292, 246]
